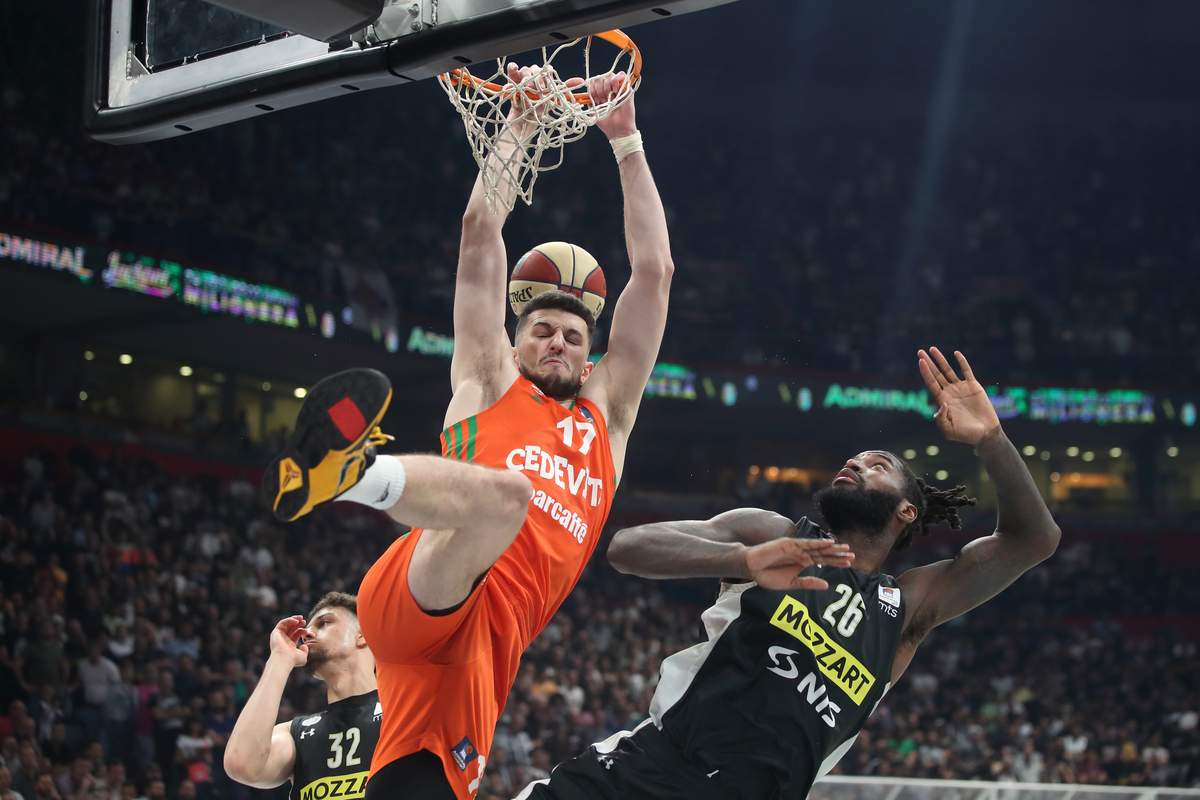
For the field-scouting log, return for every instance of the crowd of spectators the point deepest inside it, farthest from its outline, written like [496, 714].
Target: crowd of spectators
[1039, 704]
[135, 610]
[1064, 253]
[135, 606]
[1054, 257]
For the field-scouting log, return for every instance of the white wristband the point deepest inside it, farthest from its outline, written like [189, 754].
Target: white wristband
[626, 145]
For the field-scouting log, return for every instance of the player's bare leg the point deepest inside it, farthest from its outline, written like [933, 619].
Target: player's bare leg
[470, 510]
[470, 515]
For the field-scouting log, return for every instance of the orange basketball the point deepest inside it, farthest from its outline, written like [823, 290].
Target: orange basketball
[557, 265]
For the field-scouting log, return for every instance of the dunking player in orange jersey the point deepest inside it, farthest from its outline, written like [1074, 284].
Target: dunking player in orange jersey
[503, 525]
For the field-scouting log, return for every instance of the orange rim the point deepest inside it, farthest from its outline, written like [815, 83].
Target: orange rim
[615, 37]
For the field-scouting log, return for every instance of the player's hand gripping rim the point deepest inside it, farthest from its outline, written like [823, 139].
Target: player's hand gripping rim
[527, 92]
[613, 122]
[777, 564]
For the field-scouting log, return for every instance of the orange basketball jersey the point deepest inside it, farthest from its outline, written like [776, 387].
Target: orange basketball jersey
[444, 678]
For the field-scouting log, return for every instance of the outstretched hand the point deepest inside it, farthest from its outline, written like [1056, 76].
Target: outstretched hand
[777, 564]
[622, 121]
[287, 634]
[965, 412]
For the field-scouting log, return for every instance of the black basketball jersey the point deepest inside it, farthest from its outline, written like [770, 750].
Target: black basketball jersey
[334, 749]
[785, 681]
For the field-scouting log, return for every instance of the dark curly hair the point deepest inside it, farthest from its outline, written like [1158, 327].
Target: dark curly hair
[934, 505]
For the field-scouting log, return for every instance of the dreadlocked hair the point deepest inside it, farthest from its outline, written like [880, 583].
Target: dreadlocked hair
[941, 505]
[933, 505]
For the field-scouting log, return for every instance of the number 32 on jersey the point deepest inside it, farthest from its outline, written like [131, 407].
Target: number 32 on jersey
[353, 738]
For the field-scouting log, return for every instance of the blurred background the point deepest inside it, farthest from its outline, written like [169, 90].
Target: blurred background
[844, 183]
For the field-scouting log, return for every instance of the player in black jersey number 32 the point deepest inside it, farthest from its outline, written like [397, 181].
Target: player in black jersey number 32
[326, 755]
[808, 634]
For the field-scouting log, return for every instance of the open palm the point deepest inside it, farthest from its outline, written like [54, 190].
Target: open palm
[777, 564]
[965, 412]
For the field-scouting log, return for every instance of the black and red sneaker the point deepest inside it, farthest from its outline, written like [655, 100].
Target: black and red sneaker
[334, 442]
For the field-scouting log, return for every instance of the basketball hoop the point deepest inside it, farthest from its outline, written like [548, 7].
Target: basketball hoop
[558, 113]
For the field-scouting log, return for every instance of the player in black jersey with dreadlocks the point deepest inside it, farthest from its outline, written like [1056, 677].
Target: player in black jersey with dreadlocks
[808, 633]
[326, 755]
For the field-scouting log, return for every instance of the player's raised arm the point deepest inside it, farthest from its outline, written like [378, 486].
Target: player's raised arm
[641, 311]
[1025, 535]
[260, 753]
[481, 345]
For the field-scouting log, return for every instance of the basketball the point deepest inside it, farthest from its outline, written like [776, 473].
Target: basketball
[557, 265]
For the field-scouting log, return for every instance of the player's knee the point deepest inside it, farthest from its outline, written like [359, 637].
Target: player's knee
[514, 491]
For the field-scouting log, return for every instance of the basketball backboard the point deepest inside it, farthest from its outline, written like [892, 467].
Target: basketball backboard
[163, 68]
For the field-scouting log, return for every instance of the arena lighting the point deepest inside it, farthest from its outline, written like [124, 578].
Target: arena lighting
[729, 393]
[300, 392]
[941, 475]
[420, 341]
[1089, 456]
[88, 355]
[672, 380]
[224, 294]
[1045, 455]
[125, 359]
[1029, 450]
[83, 395]
[910, 454]
[1072, 451]
[266, 387]
[932, 450]
[1172, 451]
[1115, 452]
[838, 396]
[1054, 476]
[185, 371]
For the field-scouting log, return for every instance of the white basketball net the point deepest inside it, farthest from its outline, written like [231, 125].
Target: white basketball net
[556, 114]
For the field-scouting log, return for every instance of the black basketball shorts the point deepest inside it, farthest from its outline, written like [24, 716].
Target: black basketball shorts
[637, 766]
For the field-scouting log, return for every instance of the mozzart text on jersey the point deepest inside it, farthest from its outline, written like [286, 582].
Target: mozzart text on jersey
[834, 661]
[335, 787]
